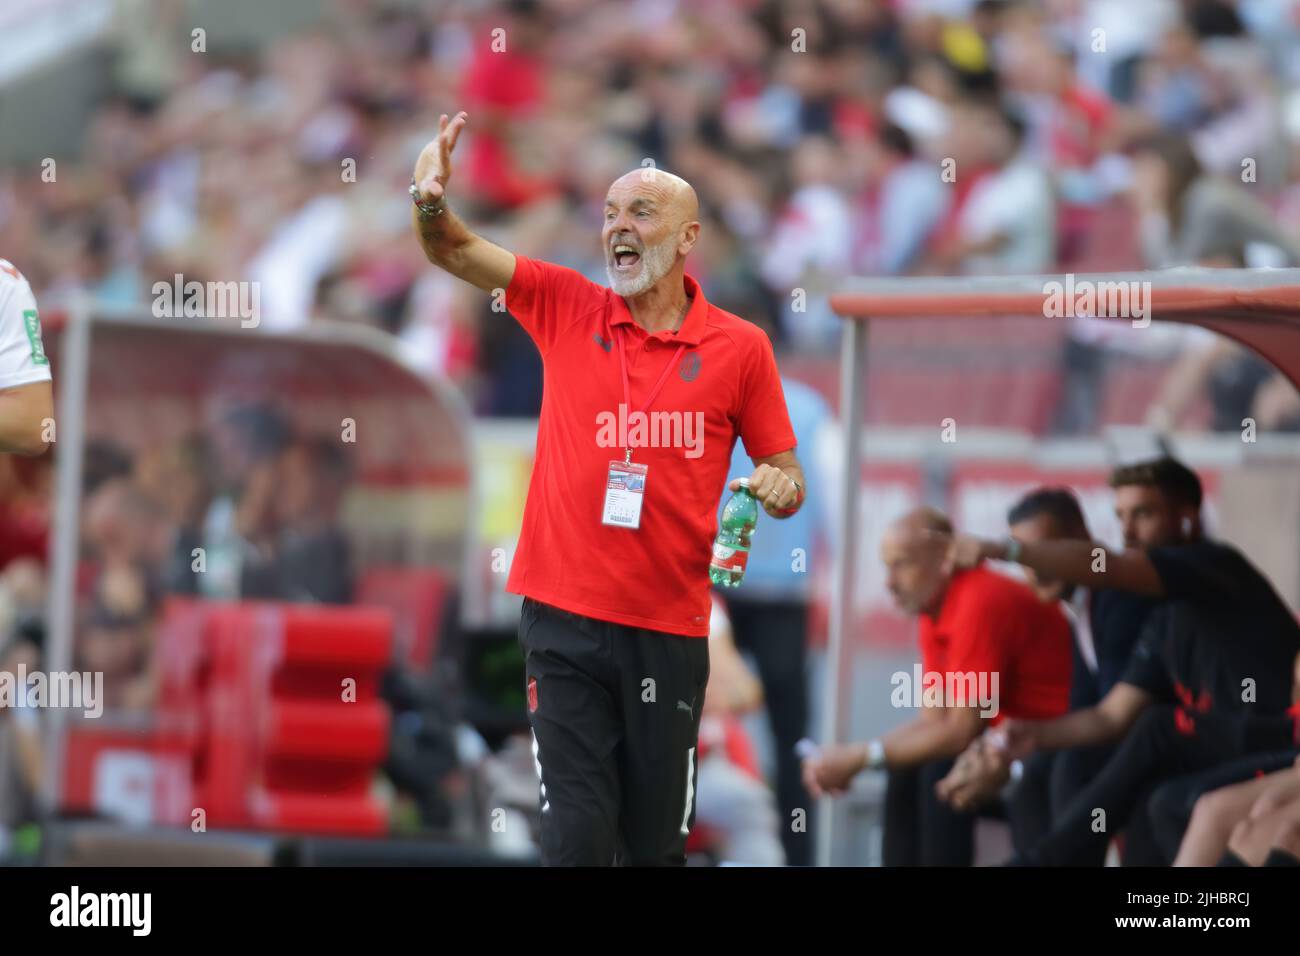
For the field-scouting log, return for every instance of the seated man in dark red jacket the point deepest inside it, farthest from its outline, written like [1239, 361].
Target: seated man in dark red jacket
[989, 648]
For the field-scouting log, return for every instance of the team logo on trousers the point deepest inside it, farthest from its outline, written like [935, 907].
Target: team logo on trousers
[532, 695]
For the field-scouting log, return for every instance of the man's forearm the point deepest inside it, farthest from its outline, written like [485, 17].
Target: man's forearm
[441, 237]
[444, 237]
[448, 243]
[1080, 728]
[1085, 563]
[921, 741]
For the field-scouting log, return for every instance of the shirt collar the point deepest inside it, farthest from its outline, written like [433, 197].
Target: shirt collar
[936, 617]
[692, 329]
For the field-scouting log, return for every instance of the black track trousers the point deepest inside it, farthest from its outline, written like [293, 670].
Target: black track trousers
[615, 712]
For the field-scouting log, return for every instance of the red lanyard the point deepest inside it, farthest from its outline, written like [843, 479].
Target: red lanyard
[627, 390]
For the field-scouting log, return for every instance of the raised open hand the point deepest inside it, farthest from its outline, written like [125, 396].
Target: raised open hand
[433, 168]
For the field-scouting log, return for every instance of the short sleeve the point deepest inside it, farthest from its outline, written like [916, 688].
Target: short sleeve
[22, 353]
[979, 641]
[1146, 667]
[764, 421]
[546, 299]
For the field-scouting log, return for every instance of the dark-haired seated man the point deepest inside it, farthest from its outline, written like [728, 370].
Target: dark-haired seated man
[1208, 679]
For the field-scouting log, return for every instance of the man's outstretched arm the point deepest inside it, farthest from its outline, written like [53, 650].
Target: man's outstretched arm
[1085, 563]
[447, 242]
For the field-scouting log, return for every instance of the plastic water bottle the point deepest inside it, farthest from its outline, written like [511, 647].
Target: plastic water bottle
[731, 546]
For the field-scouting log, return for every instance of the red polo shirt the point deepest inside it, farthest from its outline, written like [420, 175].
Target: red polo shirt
[726, 380]
[991, 624]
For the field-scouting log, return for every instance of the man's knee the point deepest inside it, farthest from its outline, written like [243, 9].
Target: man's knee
[1214, 809]
[1268, 803]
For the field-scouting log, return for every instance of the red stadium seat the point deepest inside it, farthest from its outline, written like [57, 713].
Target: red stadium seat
[288, 725]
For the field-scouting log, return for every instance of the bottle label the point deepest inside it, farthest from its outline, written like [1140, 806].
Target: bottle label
[729, 559]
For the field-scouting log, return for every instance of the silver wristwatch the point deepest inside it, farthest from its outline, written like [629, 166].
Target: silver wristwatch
[426, 210]
[874, 754]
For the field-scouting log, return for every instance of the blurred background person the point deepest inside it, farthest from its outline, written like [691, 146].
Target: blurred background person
[899, 206]
[22, 752]
[1005, 219]
[769, 616]
[304, 555]
[734, 808]
[810, 244]
[26, 395]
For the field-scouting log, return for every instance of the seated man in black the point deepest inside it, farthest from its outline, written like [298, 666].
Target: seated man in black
[1209, 678]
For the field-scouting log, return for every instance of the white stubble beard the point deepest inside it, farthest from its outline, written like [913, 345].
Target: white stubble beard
[656, 262]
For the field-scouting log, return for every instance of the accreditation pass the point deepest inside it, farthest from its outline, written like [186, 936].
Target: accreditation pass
[624, 494]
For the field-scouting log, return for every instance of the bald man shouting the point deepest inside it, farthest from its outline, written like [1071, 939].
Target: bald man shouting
[989, 648]
[646, 388]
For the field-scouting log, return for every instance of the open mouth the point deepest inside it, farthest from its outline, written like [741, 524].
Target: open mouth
[625, 257]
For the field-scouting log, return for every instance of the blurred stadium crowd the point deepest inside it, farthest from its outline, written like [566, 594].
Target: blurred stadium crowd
[826, 139]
